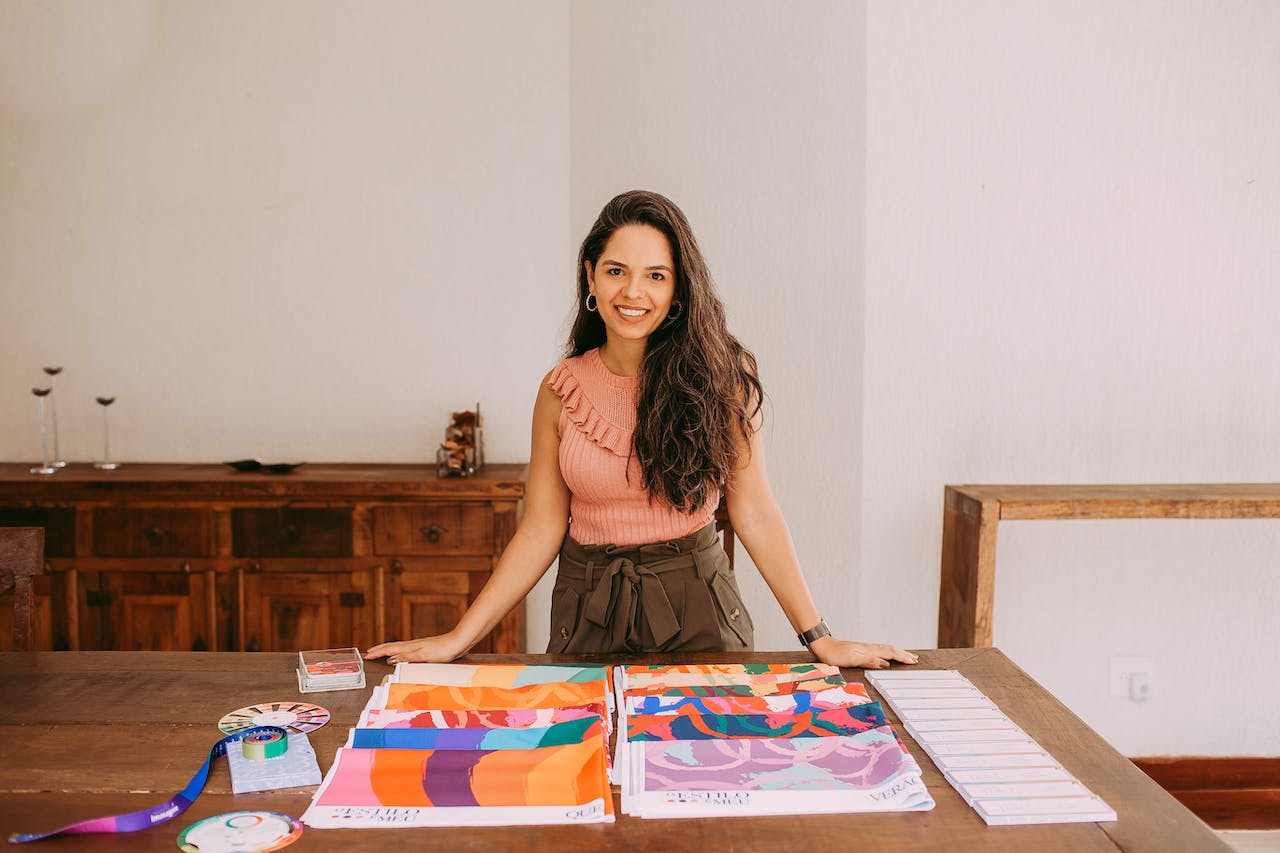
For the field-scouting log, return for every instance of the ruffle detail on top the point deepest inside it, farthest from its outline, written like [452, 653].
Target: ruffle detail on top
[584, 414]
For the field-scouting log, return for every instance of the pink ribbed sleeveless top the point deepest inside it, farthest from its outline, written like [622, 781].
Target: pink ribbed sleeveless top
[609, 504]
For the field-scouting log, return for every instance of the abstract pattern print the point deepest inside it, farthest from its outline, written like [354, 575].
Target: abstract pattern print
[832, 722]
[496, 675]
[638, 677]
[568, 775]
[507, 718]
[574, 731]
[841, 696]
[768, 688]
[861, 762]
[426, 697]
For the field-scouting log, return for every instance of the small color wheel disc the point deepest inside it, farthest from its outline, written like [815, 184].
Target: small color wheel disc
[293, 717]
[240, 832]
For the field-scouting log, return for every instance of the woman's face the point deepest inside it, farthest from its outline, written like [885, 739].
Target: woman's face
[634, 282]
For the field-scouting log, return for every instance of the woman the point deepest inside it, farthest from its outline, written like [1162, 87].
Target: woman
[654, 412]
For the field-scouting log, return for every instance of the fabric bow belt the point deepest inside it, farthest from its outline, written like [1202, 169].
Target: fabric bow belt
[628, 597]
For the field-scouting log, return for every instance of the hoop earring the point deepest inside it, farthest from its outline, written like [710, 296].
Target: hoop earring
[591, 303]
[671, 318]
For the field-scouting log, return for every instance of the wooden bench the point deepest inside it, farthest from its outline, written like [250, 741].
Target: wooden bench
[972, 513]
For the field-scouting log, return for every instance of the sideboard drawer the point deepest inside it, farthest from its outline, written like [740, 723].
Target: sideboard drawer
[434, 529]
[59, 523]
[291, 532]
[152, 532]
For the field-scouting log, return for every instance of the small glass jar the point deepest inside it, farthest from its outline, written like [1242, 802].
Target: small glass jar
[462, 453]
[451, 463]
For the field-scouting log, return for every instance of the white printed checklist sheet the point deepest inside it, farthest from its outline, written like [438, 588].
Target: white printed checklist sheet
[995, 766]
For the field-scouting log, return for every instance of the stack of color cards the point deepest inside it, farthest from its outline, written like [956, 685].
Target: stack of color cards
[330, 669]
[459, 745]
[732, 739]
[998, 769]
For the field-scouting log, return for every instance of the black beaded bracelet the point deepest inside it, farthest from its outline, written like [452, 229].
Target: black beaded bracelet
[817, 632]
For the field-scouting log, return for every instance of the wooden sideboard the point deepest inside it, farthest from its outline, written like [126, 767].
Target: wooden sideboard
[169, 557]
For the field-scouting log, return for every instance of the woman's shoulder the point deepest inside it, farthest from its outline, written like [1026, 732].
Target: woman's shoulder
[571, 371]
[581, 384]
[580, 362]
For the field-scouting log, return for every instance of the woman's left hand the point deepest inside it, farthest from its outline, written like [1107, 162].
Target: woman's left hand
[848, 654]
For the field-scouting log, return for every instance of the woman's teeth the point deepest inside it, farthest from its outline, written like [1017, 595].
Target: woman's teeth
[632, 312]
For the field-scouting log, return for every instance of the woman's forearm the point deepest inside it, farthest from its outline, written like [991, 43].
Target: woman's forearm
[768, 542]
[525, 560]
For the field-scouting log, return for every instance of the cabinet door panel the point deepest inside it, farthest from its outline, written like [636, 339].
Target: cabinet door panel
[146, 611]
[286, 612]
[427, 603]
[130, 532]
[427, 615]
[434, 529]
[155, 623]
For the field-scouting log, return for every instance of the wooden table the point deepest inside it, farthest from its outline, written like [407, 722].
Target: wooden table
[87, 734]
[971, 514]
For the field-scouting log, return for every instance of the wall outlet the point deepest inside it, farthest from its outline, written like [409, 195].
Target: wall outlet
[1131, 677]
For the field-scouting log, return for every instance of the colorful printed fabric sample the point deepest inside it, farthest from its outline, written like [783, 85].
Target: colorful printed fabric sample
[429, 697]
[413, 787]
[835, 721]
[573, 731]
[476, 745]
[704, 778]
[444, 688]
[495, 675]
[767, 739]
[770, 688]
[505, 718]
[638, 677]
[842, 696]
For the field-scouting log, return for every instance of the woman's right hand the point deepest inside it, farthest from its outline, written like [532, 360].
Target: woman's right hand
[439, 649]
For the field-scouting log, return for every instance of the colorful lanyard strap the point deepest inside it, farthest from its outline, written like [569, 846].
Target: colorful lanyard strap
[173, 807]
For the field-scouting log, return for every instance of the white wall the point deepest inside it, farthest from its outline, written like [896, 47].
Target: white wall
[294, 230]
[1073, 236]
[247, 221]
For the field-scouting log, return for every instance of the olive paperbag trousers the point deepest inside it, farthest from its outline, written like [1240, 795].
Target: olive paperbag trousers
[672, 596]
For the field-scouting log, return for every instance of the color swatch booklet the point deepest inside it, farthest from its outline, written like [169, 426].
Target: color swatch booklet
[997, 767]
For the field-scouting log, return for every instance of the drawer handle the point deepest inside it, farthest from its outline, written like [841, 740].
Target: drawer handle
[290, 534]
[433, 532]
[155, 534]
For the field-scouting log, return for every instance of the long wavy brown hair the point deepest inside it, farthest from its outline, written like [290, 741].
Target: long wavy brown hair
[699, 387]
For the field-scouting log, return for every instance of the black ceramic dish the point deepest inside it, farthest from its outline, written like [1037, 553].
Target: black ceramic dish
[248, 466]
